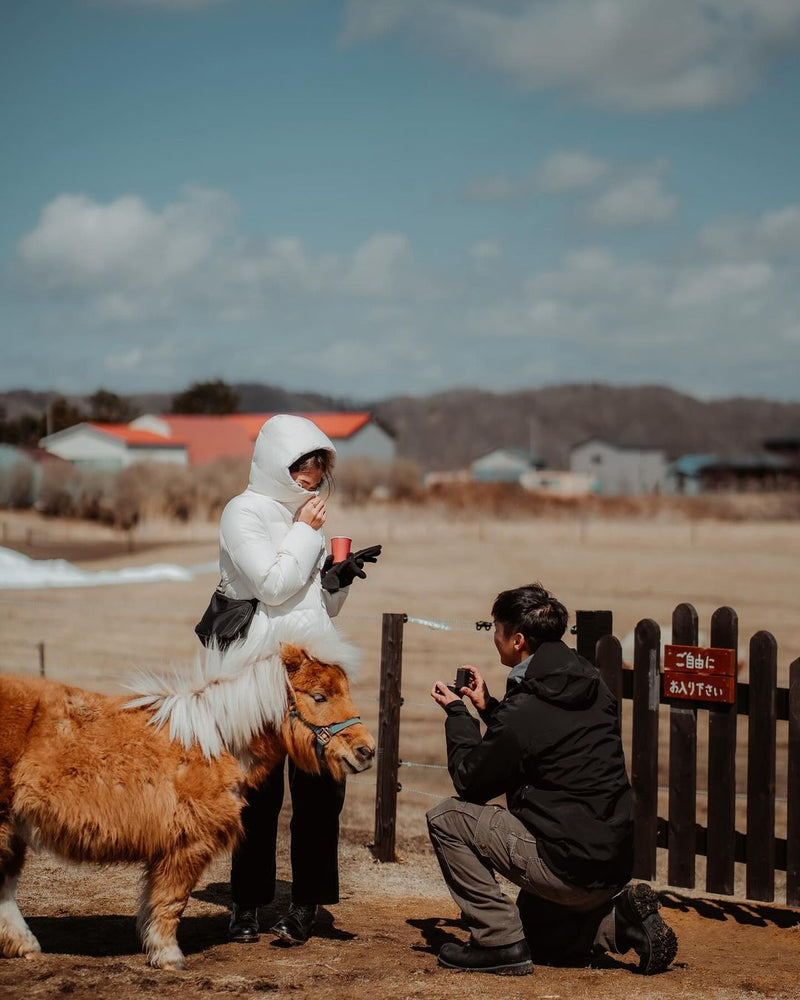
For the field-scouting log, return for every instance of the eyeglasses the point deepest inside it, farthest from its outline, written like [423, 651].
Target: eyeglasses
[483, 625]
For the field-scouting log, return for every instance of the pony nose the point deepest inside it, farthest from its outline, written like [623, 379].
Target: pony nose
[364, 752]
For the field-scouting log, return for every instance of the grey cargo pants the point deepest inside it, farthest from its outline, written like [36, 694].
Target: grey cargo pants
[472, 842]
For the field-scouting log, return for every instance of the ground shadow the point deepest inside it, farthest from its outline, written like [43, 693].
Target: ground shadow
[219, 893]
[435, 933]
[752, 914]
[114, 935]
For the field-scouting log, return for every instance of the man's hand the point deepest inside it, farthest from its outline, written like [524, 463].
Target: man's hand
[477, 692]
[442, 694]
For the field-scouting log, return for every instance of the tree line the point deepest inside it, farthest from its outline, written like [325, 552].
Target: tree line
[106, 407]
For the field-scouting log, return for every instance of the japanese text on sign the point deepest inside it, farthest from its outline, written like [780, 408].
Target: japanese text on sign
[700, 674]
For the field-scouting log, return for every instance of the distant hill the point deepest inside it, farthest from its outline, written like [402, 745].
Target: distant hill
[448, 430]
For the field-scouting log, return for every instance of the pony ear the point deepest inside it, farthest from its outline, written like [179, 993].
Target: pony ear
[292, 656]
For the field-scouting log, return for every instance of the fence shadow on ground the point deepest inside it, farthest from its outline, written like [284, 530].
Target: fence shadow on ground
[752, 914]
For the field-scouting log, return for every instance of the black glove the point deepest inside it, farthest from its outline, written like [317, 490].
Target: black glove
[370, 554]
[335, 576]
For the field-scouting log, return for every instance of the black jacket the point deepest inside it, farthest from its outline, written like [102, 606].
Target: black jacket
[553, 747]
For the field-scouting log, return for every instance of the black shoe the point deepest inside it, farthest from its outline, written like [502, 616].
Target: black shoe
[507, 960]
[638, 925]
[295, 926]
[244, 924]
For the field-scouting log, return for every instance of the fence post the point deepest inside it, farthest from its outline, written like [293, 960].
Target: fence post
[609, 663]
[591, 626]
[682, 823]
[761, 767]
[793, 791]
[721, 836]
[388, 737]
[644, 765]
[41, 659]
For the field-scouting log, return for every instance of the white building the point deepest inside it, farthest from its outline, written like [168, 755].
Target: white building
[112, 446]
[503, 465]
[620, 469]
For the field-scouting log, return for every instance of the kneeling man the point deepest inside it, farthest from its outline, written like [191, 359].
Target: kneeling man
[553, 747]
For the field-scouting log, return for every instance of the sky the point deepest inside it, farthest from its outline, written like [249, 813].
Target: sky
[371, 198]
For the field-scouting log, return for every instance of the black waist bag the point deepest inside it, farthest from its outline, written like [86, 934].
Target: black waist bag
[225, 620]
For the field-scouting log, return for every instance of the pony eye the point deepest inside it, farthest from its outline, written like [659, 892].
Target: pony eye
[318, 697]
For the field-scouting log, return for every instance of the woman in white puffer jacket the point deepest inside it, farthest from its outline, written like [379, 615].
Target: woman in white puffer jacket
[271, 543]
[272, 547]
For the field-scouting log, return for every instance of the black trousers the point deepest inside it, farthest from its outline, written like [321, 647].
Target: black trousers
[317, 801]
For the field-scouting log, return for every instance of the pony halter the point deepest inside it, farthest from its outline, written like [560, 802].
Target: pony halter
[322, 734]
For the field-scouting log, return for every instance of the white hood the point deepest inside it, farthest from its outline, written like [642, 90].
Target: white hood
[280, 442]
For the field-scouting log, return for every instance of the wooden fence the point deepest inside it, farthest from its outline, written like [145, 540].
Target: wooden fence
[762, 701]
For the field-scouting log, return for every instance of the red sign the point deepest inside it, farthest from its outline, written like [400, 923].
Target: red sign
[698, 673]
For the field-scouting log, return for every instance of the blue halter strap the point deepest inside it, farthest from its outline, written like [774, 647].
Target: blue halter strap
[322, 734]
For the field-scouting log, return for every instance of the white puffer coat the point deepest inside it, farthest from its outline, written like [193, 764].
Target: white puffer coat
[264, 552]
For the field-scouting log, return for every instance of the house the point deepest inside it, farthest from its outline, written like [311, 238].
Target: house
[112, 446]
[504, 465]
[618, 468]
[787, 447]
[739, 473]
[194, 439]
[354, 435]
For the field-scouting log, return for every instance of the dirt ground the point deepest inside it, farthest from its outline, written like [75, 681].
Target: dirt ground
[384, 934]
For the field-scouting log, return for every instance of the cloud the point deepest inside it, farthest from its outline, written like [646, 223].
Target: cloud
[630, 195]
[124, 245]
[486, 250]
[156, 297]
[634, 55]
[561, 172]
[634, 201]
[569, 171]
[128, 262]
[499, 187]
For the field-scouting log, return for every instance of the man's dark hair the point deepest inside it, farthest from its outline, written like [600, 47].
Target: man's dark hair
[533, 611]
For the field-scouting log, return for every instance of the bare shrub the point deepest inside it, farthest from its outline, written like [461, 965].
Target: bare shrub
[92, 500]
[361, 479]
[356, 478]
[58, 490]
[405, 480]
[17, 486]
[219, 481]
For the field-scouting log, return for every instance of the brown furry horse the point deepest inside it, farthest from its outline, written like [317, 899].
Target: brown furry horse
[93, 778]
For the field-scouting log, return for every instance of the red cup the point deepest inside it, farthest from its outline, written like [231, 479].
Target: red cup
[340, 547]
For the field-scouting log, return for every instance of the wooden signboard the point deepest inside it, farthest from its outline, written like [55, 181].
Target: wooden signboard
[698, 673]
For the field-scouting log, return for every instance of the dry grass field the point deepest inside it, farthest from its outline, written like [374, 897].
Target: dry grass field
[437, 567]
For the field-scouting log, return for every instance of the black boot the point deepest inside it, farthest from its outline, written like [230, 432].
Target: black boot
[295, 926]
[244, 924]
[638, 925]
[507, 960]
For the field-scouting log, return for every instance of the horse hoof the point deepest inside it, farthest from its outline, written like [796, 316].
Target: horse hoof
[169, 961]
[19, 945]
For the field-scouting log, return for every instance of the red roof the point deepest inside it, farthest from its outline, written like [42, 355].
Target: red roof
[134, 437]
[335, 425]
[209, 437]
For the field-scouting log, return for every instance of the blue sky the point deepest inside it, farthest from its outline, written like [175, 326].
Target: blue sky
[371, 198]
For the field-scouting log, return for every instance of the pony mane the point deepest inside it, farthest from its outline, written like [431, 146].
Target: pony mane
[231, 696]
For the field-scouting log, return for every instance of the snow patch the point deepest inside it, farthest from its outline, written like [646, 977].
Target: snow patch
[19, 572]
